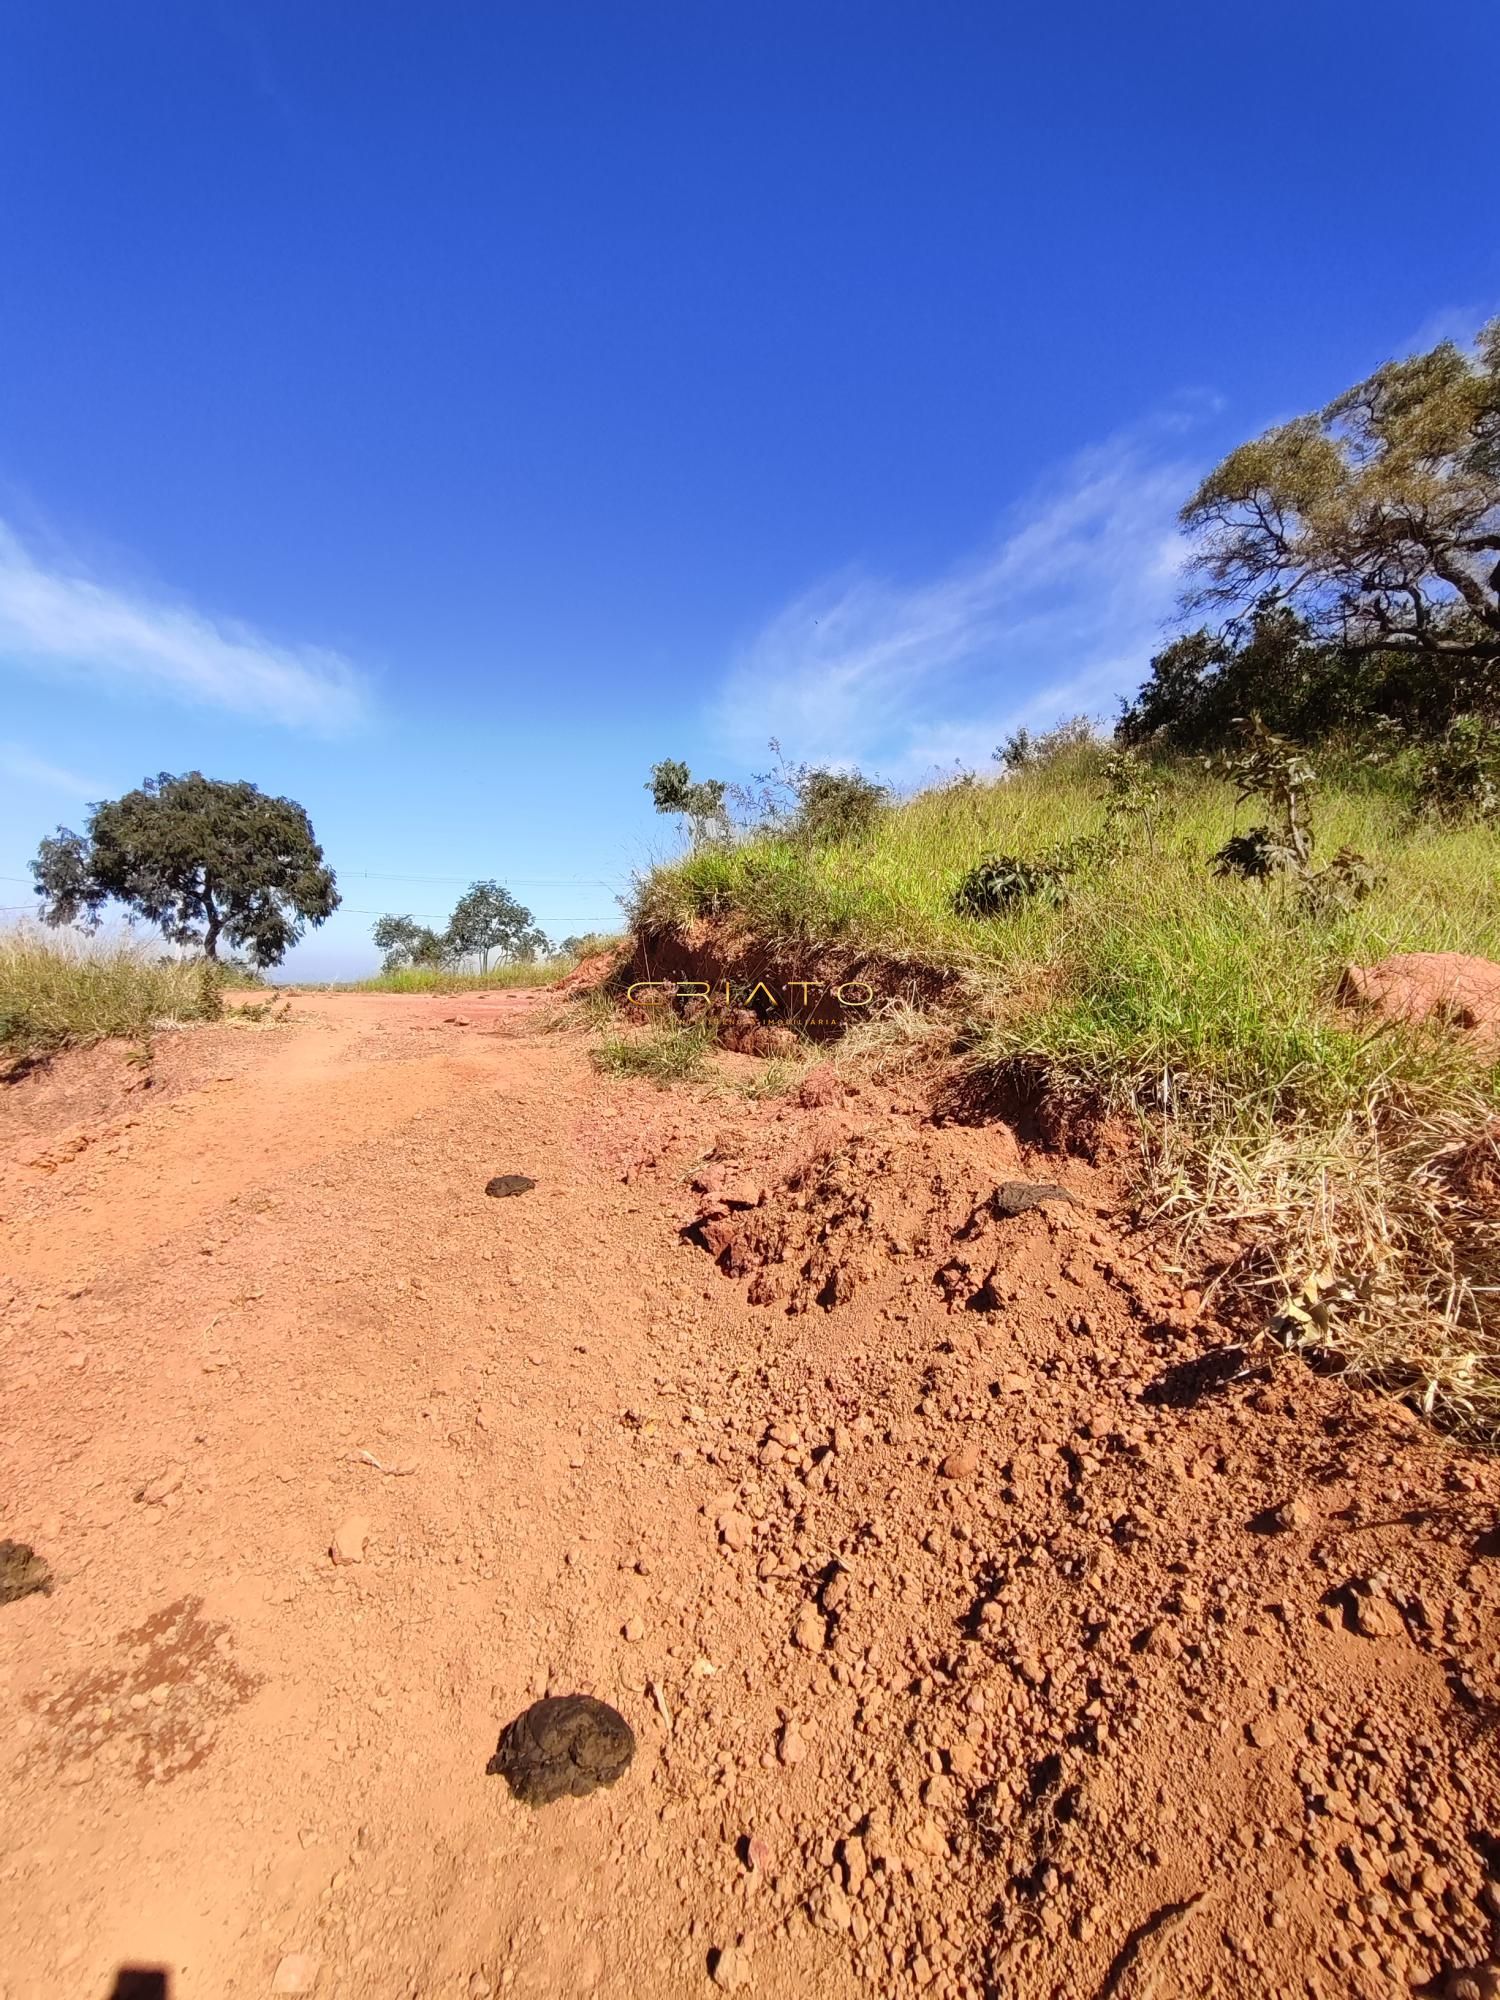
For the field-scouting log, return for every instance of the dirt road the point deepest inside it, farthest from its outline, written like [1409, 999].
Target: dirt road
[979, 1635]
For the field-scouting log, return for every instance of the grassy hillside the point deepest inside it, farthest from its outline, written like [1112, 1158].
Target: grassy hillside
[1325, 1146]
[56, 990]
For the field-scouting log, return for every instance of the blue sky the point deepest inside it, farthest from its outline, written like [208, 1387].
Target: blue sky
[441, 413]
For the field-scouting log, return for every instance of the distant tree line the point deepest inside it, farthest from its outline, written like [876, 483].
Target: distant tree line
[487, 922]
[216, 864]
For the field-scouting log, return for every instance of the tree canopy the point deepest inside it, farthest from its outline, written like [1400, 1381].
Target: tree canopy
[1377, 519]
[204, 859]
[488, 918]
[699, 801]
[404, 941]
[1204, 684]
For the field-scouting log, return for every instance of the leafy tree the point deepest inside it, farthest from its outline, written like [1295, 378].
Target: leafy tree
[202, 858]
[1204, 685]
[403, 941]
[1377, 519]
[488, 918]
[699, 801]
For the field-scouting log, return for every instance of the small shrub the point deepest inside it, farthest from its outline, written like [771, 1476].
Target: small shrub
[1347, 880]
[1458, 777]
[810, 805]
[1134, 800]
[1254, 856]
[998, 884]
[1269, 768]
[1072, 741]
[836, 805]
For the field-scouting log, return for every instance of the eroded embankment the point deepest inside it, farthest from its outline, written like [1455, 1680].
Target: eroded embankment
[721, 968]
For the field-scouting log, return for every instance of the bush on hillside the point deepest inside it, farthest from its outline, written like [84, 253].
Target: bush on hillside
[812, 805]
[1458, 777]
[1000, 883]
[1075, 742]
[836, 805]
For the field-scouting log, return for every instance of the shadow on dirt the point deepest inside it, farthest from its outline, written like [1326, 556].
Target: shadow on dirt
[141, 1982]
[1187, 1383]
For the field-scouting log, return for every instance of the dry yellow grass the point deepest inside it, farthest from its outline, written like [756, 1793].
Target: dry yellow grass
[56, 989]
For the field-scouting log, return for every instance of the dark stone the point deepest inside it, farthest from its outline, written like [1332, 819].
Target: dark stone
[563, 1748]
[504, 1184]
[22, 1572]
[1016, 1197]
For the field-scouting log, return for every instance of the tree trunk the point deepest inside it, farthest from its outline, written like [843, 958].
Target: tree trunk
[211, 929]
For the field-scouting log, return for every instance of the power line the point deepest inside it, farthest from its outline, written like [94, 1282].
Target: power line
[522, 881]
[441, 916]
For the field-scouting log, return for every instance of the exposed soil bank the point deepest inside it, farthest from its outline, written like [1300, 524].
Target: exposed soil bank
[821, 994]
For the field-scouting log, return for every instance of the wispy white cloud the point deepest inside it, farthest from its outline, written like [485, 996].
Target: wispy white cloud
[1460, 324]
[17, 762]
[1057, 616]
[56, 618]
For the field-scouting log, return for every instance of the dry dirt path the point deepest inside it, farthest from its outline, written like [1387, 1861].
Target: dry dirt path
[964, 1646]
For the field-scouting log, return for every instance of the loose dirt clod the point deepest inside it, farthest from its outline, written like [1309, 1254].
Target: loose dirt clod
[563, 1747]
[297, 1972]
[349, 1540]
[1017, 1197]
[22, 1572]
[731, 1969]
[504, 1184]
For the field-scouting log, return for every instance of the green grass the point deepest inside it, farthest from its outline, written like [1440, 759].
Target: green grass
[1204, 1010]
[664, 1055]
[56, 991]
[435, 979]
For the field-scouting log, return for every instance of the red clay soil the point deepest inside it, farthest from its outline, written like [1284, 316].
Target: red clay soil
[986, 1627]
[1451, 987]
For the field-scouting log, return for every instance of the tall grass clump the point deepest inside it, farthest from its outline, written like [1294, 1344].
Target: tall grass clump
[664, 1053]
[1339, 1170]
[56, 991]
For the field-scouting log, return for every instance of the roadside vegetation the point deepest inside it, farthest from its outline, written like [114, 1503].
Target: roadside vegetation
[1316, 1154]
[60, 991]
[1155, 928]
[662, 1053]
[453, 979]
